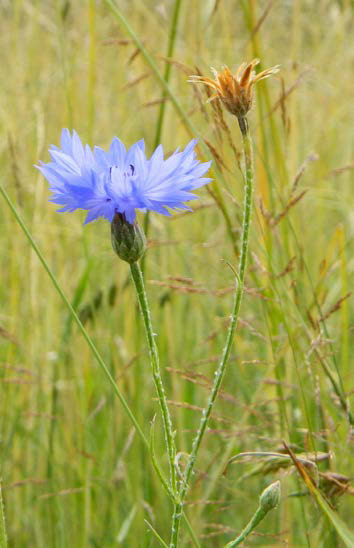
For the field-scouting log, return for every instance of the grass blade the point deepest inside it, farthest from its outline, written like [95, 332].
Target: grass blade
[343, 531]
[156, 535]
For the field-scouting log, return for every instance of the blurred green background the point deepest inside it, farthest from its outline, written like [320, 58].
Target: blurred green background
[73, 472]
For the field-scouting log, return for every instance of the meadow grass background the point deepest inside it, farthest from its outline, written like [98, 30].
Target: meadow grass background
[73, 472]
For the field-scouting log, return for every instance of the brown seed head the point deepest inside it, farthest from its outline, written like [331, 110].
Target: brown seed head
[235, 90]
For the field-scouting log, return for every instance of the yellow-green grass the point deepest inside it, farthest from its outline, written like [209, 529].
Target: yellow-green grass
[73, 472]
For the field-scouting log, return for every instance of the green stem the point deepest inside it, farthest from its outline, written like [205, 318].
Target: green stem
[178, 509]
[3, 537]
[66, 301]
[255, 520]
[167, 73]
[150, 61]
[155, 364]
[166, 77]
[91, 69]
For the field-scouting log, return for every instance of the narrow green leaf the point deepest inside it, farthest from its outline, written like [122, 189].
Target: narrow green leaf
[124, 530]
[155, 533]
[342, 529]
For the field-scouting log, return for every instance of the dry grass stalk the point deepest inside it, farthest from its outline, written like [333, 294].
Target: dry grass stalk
[261, 20]
[340, 170]
[289, 268]
[135, 81]
[204, 291]
[274, 220]
[299, 174]
[335, 307]
[62, 493]
[218, 159]
[155, 102]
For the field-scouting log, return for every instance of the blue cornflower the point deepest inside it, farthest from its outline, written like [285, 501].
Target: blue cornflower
[121, 181]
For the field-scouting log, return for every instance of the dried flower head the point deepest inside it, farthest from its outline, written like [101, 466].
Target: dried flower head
[235, 90]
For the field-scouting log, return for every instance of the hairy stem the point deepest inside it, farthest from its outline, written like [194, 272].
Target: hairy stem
[178, 509]
[252, 524]
[155, 364]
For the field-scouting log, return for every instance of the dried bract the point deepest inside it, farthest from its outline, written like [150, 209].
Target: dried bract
[236, 90]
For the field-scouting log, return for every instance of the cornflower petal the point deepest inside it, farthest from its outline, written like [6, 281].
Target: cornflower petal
[120, 180]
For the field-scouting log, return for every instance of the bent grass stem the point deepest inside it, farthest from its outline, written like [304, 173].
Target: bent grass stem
[162, 109]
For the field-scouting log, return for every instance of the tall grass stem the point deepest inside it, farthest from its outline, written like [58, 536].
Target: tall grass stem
[91, 69]
[167, 73]
[3, 536]
[162, 109]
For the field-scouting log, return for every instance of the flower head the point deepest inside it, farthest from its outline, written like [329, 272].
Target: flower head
[128, 240]
[270, 497]
[120, 180]
[235, 90]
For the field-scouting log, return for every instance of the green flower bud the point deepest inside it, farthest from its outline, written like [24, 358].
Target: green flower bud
[128, 240]
[270, 497]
